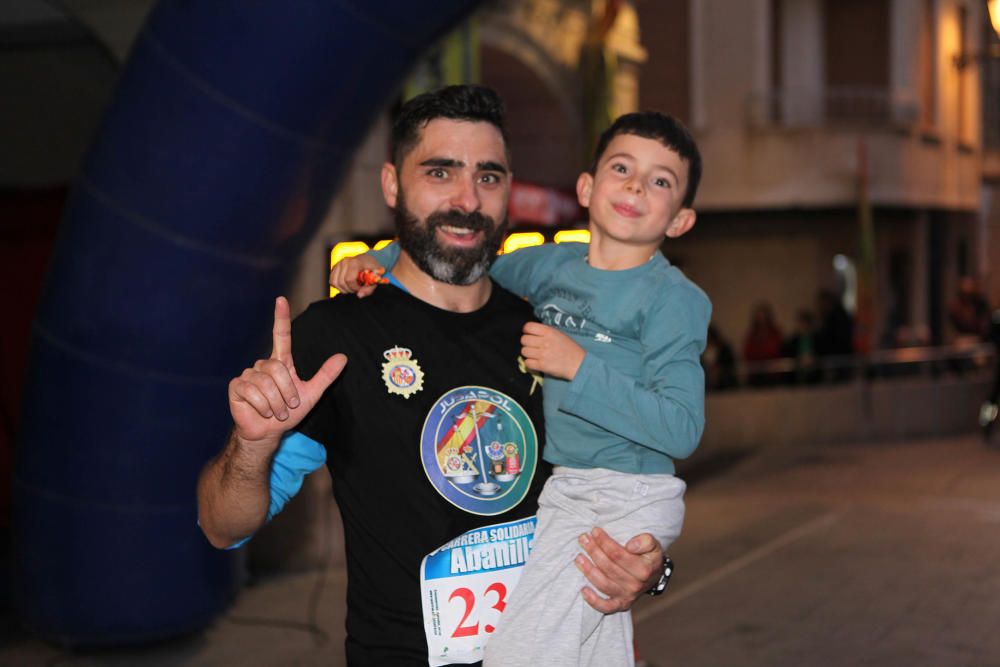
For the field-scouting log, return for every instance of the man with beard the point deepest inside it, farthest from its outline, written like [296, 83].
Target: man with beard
[432, 430]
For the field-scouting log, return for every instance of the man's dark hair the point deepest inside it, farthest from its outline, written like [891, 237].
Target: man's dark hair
[477, 104]
[662, 128]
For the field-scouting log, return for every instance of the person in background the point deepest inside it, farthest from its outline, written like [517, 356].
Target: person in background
[762, 343]
[801, 346]
[989, 411]
[835, 336]
[969, 312]
[719, 362]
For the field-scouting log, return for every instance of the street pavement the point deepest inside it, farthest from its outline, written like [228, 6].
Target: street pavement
[884, 553]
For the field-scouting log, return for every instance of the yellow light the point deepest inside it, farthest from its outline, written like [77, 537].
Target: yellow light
[346, 249]
[573, 236]
[994, 8]
[342, 250]
[522, 240]
[381, 244]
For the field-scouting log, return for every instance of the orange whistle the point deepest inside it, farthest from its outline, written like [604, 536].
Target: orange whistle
[369, 277]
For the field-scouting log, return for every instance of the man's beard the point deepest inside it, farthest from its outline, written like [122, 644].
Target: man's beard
[451, 265]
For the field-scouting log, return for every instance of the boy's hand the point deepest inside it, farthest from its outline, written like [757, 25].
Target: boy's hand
[344, 274]
[550, 351]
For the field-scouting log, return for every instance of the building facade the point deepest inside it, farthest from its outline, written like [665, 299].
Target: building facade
[800, 107]
[808, 114]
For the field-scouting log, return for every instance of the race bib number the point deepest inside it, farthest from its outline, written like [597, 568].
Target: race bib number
[465, 586]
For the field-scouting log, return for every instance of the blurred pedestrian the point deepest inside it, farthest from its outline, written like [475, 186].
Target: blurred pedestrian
[718, 361]
[969, 312]
[969, 316]
[988, 411]
[801, 346]
[835, 336]
[762, 343]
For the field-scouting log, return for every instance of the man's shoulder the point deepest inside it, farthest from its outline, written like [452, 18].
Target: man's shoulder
[324, 311]
[389, 302]
[316, 328]
[344, 304]
[328, 317]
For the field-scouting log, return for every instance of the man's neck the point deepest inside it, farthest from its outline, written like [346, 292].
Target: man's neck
[456, 298]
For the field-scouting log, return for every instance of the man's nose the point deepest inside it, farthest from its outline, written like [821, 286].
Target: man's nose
[465, 197]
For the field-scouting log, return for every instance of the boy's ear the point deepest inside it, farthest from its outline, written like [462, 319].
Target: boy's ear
[390, 184]
[584, 186]
[682, 223]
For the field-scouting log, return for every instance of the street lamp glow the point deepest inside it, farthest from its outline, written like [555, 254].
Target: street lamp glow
[994, 8]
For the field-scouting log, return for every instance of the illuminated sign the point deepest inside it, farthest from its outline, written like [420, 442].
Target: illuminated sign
[522, 240]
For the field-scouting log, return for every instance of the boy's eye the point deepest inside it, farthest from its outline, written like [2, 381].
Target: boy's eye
[661, 182]
[620, 168]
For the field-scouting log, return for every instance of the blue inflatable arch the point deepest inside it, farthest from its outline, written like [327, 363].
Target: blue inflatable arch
[229, 130]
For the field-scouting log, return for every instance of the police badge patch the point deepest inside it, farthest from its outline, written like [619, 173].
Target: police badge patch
[401, 373]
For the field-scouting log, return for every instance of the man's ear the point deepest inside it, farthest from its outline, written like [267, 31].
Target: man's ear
[390, 184]
[584, 186]
[682, 223]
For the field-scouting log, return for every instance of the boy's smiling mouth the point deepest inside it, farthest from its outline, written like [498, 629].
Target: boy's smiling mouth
[626, 210]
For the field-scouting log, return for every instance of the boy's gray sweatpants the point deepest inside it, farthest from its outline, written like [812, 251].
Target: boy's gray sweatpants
[547, 621]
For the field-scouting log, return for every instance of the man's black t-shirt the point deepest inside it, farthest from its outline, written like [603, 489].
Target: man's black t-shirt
[430, 413]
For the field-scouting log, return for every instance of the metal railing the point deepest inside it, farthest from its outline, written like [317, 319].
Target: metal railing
[832, 105]
[957, 360]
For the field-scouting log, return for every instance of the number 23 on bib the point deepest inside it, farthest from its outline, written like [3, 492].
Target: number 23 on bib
[465, 585]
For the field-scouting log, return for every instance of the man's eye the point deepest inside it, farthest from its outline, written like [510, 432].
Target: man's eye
[437, 172]
[490, 179]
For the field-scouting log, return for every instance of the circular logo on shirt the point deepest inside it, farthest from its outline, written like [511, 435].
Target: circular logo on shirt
[479, 449]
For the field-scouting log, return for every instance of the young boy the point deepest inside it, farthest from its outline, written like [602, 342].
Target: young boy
[619, 343]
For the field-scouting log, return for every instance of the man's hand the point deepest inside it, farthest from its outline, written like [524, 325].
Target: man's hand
[270, 398]
[550, 351]
[621, 573]
[344, 274]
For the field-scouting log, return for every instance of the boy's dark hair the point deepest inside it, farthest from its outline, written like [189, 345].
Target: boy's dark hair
[465, 102]
[659, 127]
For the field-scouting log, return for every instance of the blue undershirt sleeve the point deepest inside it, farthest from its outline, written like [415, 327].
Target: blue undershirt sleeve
[297, 456]
[387, 256]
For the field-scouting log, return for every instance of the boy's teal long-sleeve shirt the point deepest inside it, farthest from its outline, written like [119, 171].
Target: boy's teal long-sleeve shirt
[638, 399]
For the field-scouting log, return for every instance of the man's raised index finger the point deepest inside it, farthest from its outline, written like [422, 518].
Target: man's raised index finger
[281, 335]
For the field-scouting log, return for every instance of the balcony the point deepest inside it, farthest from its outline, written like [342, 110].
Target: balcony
[848, 106]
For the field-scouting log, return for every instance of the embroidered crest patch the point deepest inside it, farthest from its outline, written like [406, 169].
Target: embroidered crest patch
[401, 372]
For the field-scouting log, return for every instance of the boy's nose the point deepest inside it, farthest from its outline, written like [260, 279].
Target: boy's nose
[633, 185]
